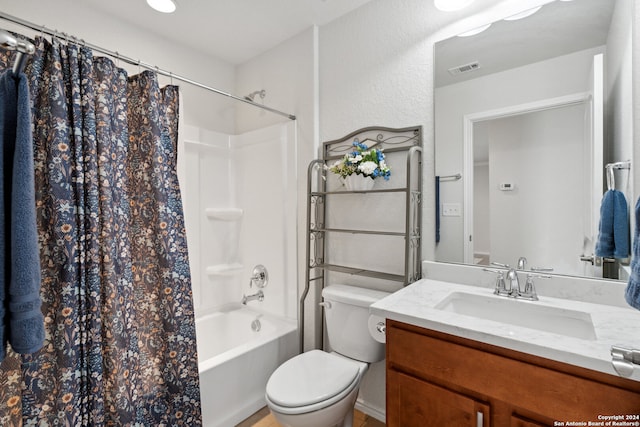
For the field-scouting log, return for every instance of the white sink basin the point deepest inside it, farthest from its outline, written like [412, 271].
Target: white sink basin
[528, 314]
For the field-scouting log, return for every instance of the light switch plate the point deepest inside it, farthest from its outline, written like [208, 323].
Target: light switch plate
[451, 209]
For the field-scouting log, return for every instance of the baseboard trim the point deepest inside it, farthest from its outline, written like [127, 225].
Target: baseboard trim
[377, 413]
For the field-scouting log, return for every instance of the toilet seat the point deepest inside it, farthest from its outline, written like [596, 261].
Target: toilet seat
[312, 381]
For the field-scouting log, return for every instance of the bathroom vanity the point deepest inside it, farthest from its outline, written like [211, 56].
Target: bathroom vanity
[457, 355]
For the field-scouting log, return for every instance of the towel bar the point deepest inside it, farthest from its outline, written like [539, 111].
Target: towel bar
[611, 179]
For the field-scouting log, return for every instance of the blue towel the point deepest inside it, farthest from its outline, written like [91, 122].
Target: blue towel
[613, 235]
[23, 325]
[632, 294]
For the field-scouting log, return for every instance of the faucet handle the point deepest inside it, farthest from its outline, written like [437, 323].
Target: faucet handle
[541, 269]
[500, 286]
[499, 264]
[529, 288]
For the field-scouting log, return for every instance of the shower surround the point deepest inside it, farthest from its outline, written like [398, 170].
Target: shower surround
[240, 209]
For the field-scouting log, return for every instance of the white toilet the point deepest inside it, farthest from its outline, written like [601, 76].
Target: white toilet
[319, 389]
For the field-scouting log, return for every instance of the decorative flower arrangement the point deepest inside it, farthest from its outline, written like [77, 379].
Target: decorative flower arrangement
[362, 161]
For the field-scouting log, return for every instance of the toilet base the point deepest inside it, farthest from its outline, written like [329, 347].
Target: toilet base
[340, 414]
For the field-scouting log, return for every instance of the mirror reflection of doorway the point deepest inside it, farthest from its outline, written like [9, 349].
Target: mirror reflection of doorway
[529, 174]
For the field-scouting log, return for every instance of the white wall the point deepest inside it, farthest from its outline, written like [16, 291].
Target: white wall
[543, 218]
[246, 173]
[288, 74]
[619, 96]
[376, 69]
[265, 188]
[547, 79]
[481, 217]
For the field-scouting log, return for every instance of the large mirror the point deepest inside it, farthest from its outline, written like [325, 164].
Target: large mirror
[528, 113]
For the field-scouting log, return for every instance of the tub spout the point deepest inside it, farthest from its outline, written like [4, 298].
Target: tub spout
[257, 296]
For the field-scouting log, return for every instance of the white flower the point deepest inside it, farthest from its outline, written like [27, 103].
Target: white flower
[355, 159]
[367, 168]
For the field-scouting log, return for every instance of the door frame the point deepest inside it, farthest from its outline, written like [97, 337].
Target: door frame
[469, 120]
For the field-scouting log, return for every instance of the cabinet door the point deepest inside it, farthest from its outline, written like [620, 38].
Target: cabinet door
[517, 421]
[416, 403]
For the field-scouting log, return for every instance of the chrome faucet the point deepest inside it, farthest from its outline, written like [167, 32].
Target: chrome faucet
[514, 285]
[257, 296]
[509, 285]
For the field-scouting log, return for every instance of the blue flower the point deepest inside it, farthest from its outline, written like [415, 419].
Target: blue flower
[362, 161]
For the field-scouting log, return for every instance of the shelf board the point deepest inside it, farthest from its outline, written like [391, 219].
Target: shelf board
[384, 190]
[351, 231]
[361, 272]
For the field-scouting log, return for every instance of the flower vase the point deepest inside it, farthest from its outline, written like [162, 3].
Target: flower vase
[355, 182]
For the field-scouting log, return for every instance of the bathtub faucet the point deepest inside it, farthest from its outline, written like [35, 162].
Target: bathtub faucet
[257, 296]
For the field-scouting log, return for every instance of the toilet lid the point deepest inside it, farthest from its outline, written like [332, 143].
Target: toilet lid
[309, 378]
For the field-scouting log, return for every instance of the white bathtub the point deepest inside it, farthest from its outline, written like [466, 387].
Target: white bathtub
[235, 362]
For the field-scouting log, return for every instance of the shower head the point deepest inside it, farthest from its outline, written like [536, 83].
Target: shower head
[253, 94]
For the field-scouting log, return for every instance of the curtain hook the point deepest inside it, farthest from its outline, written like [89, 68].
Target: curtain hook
[117, 59]
[171, 77]
[139, 67]
[42, 31]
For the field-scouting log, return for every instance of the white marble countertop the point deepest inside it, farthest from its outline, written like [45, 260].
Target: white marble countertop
[415, 304]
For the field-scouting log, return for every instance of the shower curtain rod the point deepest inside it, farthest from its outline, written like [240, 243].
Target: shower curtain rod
[43, 29]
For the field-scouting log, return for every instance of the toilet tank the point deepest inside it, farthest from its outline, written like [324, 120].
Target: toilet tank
[346, 316]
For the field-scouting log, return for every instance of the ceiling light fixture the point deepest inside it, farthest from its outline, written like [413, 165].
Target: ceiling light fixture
[451, 5]
[164, 6]
[524, 14]
[474, 31]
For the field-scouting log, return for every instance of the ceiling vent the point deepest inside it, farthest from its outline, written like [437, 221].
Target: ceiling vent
[466, 68]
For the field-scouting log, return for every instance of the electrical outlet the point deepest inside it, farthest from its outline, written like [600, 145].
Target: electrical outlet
[451, 209]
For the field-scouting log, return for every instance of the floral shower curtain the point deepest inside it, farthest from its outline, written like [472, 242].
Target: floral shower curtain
[120, 345]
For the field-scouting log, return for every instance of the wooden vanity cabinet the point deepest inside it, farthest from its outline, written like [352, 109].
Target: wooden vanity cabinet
[436, 379]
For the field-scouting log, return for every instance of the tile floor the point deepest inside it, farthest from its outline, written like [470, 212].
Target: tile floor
[263, 418]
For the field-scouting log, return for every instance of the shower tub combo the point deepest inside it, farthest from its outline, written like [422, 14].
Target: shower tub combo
[222, 222]
[238, 349]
